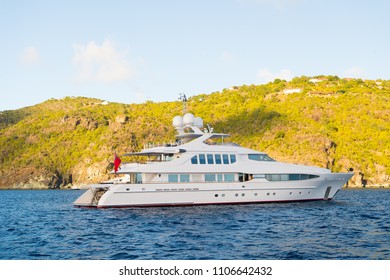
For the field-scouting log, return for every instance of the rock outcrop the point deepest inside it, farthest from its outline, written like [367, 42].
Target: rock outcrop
[60, 181]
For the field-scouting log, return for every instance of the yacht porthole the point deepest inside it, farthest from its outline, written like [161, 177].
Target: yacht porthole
[243, 194]
[255, 194]
[223, 195]
[290, 193]
[127, 189]
[267, 193]
[300, 192]
[273, 193]
[236, 194]
[216, 195]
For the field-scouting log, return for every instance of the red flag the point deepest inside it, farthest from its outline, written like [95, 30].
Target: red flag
[117, 162]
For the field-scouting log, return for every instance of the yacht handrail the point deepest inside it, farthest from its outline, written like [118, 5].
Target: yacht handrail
[150, 145]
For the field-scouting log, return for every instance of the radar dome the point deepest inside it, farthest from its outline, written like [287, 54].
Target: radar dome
[198, 122]
[189, 119]
[178, 121]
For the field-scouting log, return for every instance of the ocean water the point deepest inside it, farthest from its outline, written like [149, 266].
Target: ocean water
[44, 225]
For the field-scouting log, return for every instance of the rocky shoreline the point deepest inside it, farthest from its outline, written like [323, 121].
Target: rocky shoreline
[387, 186]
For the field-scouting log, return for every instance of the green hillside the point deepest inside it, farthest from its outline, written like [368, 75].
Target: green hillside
[324, 121]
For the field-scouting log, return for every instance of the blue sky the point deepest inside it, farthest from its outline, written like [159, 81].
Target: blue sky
[132, 51]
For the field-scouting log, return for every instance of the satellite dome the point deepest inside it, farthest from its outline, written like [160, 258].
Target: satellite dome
[178, 121]
[188, 119]
[198, 122]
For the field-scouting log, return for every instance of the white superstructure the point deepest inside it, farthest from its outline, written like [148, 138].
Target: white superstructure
[200, 167]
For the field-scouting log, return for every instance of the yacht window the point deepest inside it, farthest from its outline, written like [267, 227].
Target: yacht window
[260, 157]
[184, 177]
[194, 160]
[209, 177]
[228, 177]
[304, 176]
[293, 177]
[168, 157]
[287, 177]
[283, 177]
[210, 159]
[173, 178]
[259, 176]
[202, 159]
[138, 178]
[232, 158]
[219, 178]
[218, 159]
[225, 159]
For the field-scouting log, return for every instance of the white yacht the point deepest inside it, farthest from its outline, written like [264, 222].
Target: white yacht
[201, 167]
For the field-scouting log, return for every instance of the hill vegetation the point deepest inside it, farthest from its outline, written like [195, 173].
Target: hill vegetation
[324, 121]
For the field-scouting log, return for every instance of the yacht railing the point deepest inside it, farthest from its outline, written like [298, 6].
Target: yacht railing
[158, 144]
[178, 183]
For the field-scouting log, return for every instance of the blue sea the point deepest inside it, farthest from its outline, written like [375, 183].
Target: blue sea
[44, 225]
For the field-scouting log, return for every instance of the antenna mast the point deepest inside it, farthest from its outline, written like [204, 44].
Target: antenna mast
[183, 98]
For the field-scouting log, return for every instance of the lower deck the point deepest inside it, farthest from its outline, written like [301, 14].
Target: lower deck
[178, 194]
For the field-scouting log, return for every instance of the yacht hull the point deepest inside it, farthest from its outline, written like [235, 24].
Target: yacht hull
[186, 194]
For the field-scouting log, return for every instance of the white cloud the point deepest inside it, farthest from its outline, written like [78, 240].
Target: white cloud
[102, 63]
[29, 56]
[266, 76]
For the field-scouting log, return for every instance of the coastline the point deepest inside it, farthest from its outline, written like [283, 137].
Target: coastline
[368, 187]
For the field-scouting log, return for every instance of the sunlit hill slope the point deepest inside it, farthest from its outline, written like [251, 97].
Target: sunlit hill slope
[324, 121]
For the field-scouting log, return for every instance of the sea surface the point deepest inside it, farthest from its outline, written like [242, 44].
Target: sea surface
[44, 225]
